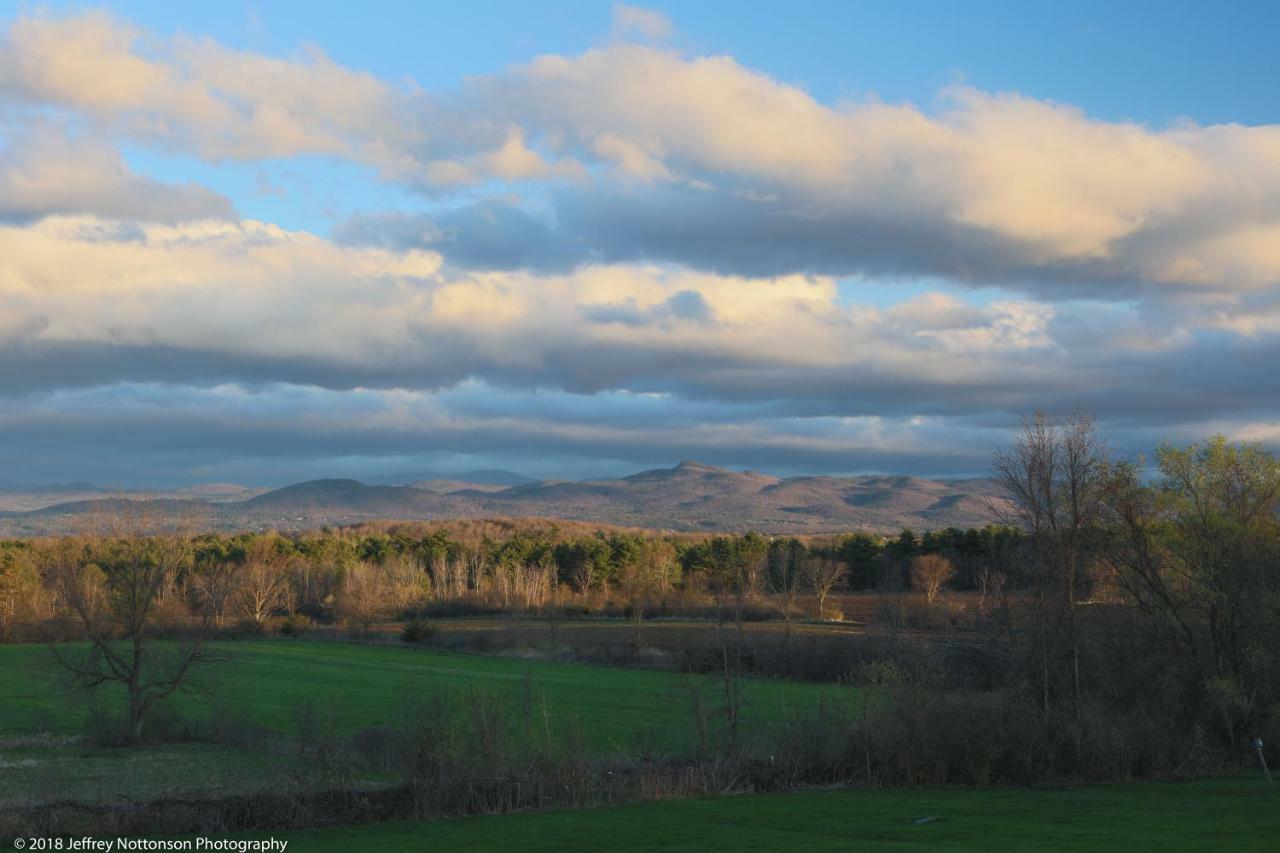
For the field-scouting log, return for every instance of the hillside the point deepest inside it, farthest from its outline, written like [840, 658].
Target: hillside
[690, 496]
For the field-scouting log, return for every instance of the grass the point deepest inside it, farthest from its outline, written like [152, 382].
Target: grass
[266, 681]
[361, 686]
[34, 771]
[1236, 814]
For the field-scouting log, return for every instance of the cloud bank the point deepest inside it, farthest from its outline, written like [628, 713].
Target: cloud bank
[628, 223]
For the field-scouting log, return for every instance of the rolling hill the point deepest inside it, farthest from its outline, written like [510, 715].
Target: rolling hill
[690, 496]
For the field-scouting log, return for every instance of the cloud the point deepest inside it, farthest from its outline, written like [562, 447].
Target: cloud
[685, 305]
[198, 95]
[992, 185]
[280, 433]
[246, 302]
[274, 434]
[45, 171]
[488, 234]
[986, 186]
[635, 20]
[630, 255]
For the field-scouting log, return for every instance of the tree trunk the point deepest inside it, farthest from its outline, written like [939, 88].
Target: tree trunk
[137, 710]
[137, 701]
[1071, 622]
[1042, 618]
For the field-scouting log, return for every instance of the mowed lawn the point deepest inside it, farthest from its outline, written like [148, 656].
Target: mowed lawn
[1235, 814]
[358, 686]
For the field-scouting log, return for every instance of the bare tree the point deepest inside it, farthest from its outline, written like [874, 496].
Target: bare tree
[1086, 482]
[823, 575]
[112, 584]
[929, 573]
[584, 572]
[213, 586]
[364, 596]
[263, 582]
[475, 565]
[448, 575]
[1057, 476]
[407, 581]
[991, 584]
[21, 596]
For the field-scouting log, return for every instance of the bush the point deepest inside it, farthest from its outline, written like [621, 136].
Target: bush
[417, 631]
[295, 625]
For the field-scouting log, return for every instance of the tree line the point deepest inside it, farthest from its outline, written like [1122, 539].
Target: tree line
[252, 577]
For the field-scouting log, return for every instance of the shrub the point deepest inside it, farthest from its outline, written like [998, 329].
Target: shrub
[295, 625]
[417, 631]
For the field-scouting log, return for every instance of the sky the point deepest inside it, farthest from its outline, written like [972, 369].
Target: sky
[266, 242]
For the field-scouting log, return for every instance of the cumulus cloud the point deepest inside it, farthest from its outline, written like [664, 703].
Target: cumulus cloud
[44, 171]
[988, 185]
[259, 302]
[249, 302]
[196, 94]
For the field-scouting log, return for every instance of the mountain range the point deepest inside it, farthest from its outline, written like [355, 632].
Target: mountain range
[690, 496]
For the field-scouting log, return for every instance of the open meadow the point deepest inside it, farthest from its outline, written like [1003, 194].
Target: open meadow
[279, 696]
[363, 688]
[267, 682]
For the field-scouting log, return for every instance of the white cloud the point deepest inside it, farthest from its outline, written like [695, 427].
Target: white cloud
[993, 184]
[197, 94]
[636, 20]
[1023, 184]
[44, 170]
[256, 295]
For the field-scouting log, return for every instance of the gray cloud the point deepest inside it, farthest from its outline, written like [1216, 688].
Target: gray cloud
[182, 433]
[685, 305]
[485, 235]
[137, 435]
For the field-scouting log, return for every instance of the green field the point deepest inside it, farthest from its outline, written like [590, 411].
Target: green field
[1235, 814]
[40, 770]
[361, 686]
[266, 681]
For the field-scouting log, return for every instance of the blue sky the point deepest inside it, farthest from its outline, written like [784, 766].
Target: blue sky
[261, 242]
[1150, 61]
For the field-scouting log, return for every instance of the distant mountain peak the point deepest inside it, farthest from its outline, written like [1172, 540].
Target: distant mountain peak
[693, 466]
